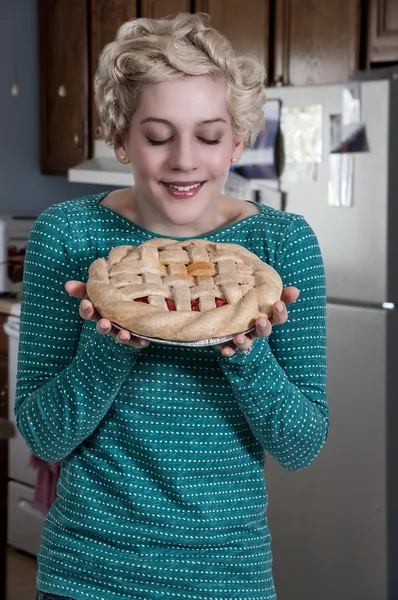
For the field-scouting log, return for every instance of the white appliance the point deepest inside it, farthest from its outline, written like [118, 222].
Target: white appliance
[25, 523]
[334, 525]
[14, 234]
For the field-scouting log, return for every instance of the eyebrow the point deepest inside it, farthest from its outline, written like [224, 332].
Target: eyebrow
[206, 122]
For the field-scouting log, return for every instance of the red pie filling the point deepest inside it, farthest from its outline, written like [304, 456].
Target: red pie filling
[194, 303]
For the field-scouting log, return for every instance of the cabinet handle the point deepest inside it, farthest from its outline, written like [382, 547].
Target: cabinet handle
[78, 145]
[278, 80]
[3, 399]
[62, 91]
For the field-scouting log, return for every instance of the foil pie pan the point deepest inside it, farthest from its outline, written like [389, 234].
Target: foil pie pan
[198, 344]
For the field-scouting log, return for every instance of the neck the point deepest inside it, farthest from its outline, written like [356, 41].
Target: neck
[149, 217]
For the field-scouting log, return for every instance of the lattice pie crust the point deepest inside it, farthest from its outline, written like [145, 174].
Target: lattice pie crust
[183, 291]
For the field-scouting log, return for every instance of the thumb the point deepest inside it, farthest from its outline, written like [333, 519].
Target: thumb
[290, 294]
[76, 289]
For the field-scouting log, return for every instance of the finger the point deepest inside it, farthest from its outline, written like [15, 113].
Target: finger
[263, 328]
[104, 326]
[279, 313]
[227, 349]
[86, 310]
[125, 337]
[76, 289]
[243, 342]
[137, 342]
[122, 336]
[290, 294]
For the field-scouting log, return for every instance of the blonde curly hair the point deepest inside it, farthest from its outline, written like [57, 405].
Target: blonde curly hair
[148, 51]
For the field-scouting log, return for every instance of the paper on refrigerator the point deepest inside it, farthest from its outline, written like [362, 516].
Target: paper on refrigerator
[341, 180]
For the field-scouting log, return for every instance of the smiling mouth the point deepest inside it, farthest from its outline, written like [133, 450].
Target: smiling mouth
[184, 187]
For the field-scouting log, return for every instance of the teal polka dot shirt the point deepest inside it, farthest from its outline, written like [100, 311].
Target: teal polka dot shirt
[162, 493]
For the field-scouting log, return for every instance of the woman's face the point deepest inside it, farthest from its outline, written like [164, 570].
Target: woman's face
[180, 145]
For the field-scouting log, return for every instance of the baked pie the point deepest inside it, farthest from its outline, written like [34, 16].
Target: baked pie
[183, 291]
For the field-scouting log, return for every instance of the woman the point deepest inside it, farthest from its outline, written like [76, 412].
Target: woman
[161, 493]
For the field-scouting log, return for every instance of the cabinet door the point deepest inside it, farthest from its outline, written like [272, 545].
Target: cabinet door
[106, 18]
[383, 31]
[316, 41]
[63, 83]
[246, 24]
[155, 9]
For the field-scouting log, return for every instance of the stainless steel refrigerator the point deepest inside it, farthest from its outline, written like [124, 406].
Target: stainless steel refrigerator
[335, 524]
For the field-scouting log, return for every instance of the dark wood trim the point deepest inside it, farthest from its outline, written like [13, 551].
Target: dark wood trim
[89, 91]
[364, 24]
[383, 42]
[282, 24]
[356, 55]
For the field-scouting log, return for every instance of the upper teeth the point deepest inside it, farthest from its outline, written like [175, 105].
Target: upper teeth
[184, 188]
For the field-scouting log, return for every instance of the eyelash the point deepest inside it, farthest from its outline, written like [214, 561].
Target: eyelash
[163, 143]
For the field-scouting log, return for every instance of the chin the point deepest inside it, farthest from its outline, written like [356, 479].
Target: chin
[183, 215]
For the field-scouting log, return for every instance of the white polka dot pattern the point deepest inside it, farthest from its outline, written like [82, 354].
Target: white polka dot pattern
[162, 493]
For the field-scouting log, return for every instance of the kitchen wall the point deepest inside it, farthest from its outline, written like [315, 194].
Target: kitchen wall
[23, 189]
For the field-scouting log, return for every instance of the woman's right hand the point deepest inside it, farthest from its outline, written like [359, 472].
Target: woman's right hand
[77, 289]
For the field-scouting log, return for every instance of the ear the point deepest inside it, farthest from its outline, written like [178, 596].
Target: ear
[238, 148]
[120, 153]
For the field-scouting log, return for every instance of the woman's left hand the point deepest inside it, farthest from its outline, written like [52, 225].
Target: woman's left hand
[264, 325]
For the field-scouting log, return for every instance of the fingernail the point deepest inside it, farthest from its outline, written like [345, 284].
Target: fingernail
[124, 336]
[263, 324]
[144, 343]
[279, 306]
[228, 352]
[85, 304]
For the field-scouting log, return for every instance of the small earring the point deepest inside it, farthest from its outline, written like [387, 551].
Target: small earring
[233, 160]
[123, 157]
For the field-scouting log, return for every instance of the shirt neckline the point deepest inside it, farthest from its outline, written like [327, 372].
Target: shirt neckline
[148, 234]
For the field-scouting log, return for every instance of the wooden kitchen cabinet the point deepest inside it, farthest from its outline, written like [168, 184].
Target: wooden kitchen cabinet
[106, 16]
[64, 97]
[383, 31]
[155, 9]
[246, 24]
[300, 42]
[316, 41]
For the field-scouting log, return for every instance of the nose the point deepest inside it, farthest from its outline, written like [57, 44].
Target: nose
[183, 156]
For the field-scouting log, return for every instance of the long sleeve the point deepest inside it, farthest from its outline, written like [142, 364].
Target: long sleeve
[281, 384]
[67, 380]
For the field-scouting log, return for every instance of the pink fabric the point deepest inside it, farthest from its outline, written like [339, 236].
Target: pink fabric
[46, 485]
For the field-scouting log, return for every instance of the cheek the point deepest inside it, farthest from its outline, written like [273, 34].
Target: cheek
[146, 162]
[219, 162]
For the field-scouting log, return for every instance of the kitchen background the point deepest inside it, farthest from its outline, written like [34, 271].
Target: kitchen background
[24, 188]
[342, 175]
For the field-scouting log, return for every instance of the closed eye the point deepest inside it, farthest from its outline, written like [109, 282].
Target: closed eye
[163, 142]
[158, 142]
[209, 142]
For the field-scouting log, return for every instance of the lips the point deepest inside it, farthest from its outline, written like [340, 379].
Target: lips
[183, 189]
